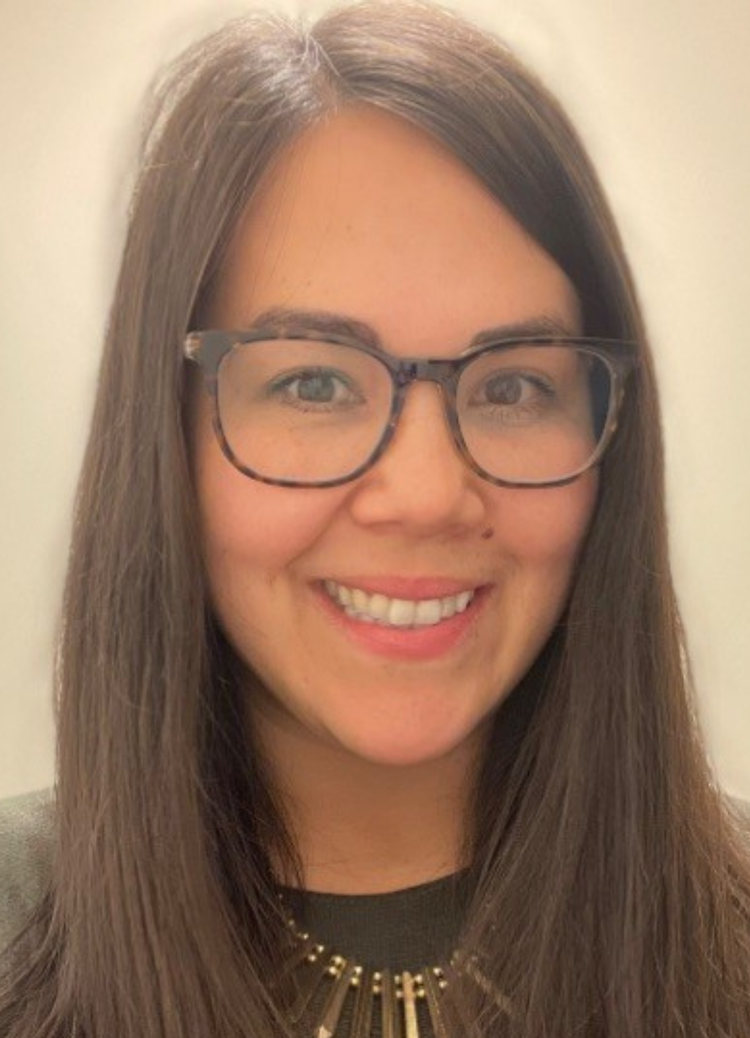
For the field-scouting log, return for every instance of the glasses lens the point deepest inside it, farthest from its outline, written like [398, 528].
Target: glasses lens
[302, 410]
[534, 414]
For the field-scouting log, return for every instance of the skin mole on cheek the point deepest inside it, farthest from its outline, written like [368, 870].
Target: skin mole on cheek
[488, 533]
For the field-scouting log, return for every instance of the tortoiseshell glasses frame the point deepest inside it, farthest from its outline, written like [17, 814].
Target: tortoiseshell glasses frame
[208, 348]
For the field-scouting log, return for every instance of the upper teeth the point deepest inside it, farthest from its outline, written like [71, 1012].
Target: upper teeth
[398, 612]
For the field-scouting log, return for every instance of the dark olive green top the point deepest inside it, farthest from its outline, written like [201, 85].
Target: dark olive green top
[402, 930]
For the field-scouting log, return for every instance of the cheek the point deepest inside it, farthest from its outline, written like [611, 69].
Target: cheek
[538, 534]
[544, 527]
[249, 526]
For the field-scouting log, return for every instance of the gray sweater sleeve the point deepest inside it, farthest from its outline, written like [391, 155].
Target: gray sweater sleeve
[25, 857]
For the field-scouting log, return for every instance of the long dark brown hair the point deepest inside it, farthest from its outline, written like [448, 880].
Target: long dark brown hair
[611, 880]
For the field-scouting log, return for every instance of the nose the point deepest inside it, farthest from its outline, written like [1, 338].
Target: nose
[421, 481]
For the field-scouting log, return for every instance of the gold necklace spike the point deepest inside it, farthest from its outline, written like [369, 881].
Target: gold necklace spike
[315, 970]
[410, 1005]
[362, 1012]
[305, 950]
[335, 1001]
[433, 995]
[389, 1006]
[307, 947]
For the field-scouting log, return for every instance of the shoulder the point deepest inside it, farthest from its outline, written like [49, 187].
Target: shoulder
[26, 826]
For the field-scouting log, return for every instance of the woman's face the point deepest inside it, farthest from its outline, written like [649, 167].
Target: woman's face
[370, 218]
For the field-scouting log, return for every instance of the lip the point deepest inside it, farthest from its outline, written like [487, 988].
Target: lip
[409, 644]
[415, 588]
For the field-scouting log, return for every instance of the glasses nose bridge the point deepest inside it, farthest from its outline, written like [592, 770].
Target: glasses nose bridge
[418, 369]
[441, 373]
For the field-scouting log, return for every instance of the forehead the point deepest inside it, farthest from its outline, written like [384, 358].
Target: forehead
[369, 216]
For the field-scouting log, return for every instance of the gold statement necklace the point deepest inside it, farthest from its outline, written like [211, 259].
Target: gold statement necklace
[336, 981]
[373, 994]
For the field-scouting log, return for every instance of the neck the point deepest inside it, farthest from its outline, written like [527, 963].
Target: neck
[362, 827]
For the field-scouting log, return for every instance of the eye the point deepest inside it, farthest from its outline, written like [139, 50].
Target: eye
[326, 388]
[511, 396]
[509, 388]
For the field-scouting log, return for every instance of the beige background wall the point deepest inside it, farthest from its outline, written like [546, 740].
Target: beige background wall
[660, 91]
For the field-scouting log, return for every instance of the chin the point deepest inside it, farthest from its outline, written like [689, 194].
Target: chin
[403, 749]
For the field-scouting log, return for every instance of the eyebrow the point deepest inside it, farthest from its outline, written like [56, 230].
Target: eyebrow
[325, 322]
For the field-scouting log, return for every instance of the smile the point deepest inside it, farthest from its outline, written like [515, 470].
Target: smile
[396, 612]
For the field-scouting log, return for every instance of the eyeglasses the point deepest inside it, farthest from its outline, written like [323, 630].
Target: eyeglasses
[296, 410]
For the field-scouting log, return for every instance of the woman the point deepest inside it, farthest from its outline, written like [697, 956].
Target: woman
[370, 639]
